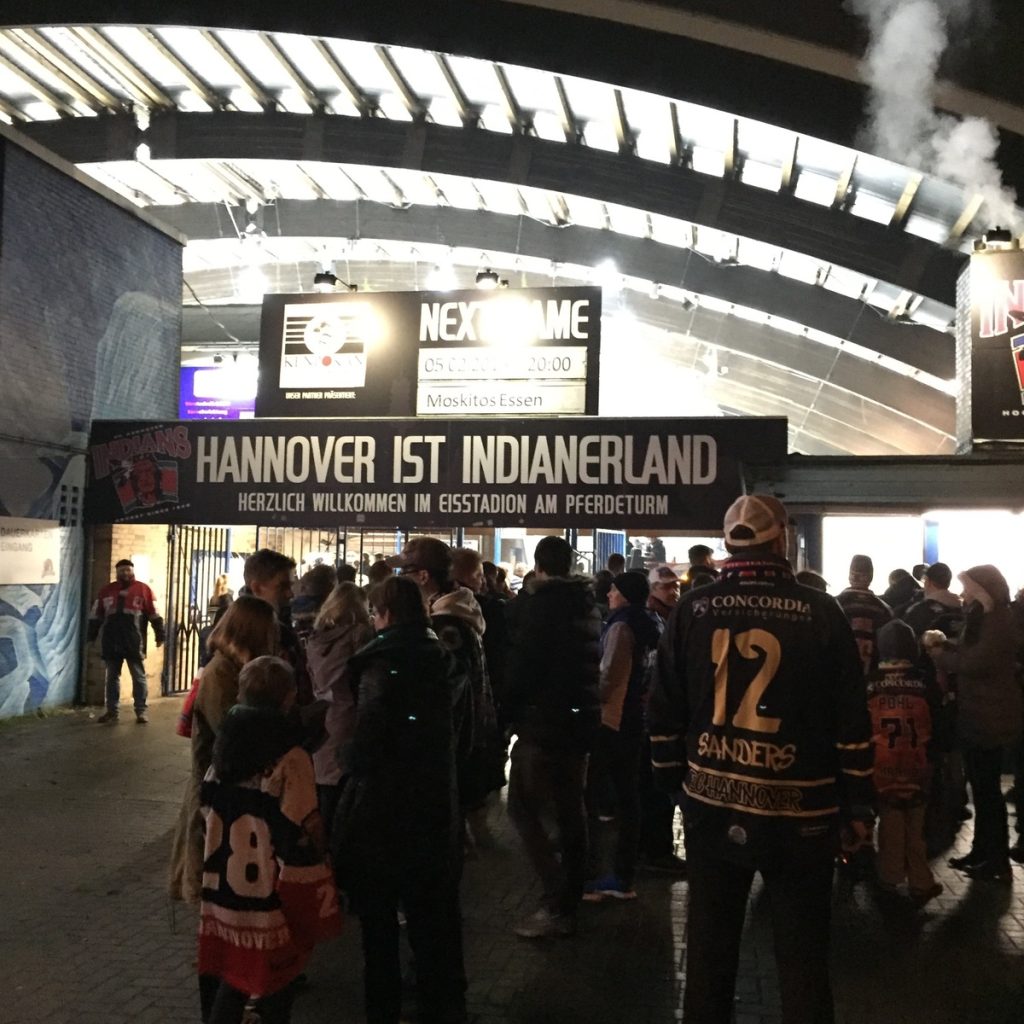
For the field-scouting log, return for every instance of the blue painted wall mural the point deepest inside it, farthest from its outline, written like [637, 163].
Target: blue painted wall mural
[90, 312]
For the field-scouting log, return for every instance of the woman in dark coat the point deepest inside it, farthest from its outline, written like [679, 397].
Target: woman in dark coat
[396, 832]
[988, 716]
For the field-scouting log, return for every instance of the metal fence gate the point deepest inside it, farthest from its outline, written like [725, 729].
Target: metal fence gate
[337, 545]
[196, 556]
[306, 547]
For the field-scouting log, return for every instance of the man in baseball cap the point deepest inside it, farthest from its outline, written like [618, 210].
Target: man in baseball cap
[759, 724]
[664, 584]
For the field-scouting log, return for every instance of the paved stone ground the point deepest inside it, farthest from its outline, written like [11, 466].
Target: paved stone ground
[87, 935]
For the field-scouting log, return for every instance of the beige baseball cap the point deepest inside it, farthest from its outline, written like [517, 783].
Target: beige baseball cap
[754, 519]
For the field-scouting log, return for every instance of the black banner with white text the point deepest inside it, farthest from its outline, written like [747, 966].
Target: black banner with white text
[656, 474]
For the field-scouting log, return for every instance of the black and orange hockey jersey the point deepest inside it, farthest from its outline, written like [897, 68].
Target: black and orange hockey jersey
[900, 704]
[758, 709]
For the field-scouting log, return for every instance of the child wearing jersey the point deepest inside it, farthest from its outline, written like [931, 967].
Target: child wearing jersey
[900, 703]
[268, 892]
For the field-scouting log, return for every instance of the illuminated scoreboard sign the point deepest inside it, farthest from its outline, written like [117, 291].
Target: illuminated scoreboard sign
[547, 381]
[513, 353]
[530, 351]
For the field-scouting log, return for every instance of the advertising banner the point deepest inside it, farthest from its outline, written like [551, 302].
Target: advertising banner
[511, 352]
[216, 393]
[29, 551]
[657, 474]
[997, 345]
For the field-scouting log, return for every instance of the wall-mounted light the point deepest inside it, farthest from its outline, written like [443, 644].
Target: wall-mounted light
[325, 281]
[487, 279]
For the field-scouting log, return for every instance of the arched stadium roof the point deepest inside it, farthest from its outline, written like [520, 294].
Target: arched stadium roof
[751, 264]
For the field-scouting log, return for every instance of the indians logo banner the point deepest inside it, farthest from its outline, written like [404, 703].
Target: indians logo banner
[997, 345]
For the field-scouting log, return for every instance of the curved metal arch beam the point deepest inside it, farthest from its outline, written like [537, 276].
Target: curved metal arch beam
[771, 88]
[888, 254]
[783, 297]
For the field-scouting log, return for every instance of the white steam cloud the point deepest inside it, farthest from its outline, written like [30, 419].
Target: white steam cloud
[908, 38]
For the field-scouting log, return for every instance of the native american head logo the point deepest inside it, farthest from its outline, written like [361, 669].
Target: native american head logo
[145, 482]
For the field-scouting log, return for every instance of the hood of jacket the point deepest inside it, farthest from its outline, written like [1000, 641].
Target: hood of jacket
[991, 580]
[252, 740]
[462, 603]
[560, 588]
[944, 597]
[321, 643]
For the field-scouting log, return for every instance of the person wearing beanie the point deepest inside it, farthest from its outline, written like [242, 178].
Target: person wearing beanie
[989, 709]
[759, 725]
[628, 637]
[902, 592]
[901, 704]
[865, 612]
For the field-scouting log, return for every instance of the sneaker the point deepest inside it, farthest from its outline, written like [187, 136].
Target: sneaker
[108, 718]
[141, 718]
[667, 863]
[609, 887]
[543, 924]
[919, 897]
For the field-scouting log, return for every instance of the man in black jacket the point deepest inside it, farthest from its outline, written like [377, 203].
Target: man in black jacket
[551, 697]
[758, 715]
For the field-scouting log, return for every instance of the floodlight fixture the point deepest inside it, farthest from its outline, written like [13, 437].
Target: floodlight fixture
[325, 281]
[487, 279]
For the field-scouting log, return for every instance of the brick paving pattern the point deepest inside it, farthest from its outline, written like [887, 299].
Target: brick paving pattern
[87, 935]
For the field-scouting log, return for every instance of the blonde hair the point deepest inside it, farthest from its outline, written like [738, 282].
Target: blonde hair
[220, 586]
[345, 606]
[247, 630]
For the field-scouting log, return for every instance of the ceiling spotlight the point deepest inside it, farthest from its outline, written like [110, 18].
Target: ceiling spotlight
[324, 281]
[487, 279]
[441, 278]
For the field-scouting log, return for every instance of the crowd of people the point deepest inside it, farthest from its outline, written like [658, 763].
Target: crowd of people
[353, 739]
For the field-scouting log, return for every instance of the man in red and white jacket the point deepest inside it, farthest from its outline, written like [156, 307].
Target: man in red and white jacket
[119, 616]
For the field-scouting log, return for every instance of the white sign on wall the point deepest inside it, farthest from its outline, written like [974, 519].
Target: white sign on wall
[29, 551]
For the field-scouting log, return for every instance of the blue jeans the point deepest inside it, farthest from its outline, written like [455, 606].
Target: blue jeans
[139, 688]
